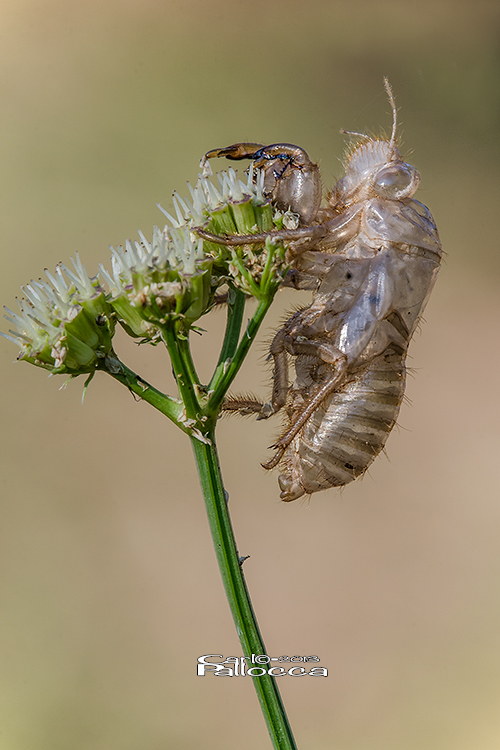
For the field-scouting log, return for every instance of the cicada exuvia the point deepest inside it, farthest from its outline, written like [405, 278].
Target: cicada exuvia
[371, 256]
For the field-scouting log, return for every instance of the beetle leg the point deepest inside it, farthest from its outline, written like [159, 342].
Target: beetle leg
[291, 178]
[223, 298]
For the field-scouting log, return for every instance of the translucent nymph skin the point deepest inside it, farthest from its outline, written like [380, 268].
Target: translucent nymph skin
[371, 257]
[372, 274]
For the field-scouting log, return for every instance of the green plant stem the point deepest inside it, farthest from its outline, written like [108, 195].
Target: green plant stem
[225, 547]
[185, 352]
[204, 415]
[182, 372]
[235, 310]
[236, 591]
[168, 406]
[221, 387]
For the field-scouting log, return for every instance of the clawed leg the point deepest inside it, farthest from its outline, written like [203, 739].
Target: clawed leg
[243, 405]
[326, 353]
[279, 352]
[304, 237]
[280, 347]
[251, 405]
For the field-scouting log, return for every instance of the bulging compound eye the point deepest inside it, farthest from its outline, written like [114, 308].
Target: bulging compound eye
[396, 181]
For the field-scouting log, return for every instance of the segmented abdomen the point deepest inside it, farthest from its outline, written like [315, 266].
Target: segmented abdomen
[348, 431]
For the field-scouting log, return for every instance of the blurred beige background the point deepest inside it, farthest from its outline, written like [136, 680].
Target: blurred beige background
[109, 585]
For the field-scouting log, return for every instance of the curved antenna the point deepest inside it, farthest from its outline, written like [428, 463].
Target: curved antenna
[353, 132]
[392, 101]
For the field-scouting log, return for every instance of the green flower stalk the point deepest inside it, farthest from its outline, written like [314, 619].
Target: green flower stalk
[158, 290]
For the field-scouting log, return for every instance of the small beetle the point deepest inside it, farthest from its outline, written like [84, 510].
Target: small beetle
[371, 257]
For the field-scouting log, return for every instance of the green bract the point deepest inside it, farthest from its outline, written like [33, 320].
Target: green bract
[66, 324]
[177, 274]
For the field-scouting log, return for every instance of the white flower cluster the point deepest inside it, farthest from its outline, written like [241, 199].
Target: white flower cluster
[66, 323]
[207, 197]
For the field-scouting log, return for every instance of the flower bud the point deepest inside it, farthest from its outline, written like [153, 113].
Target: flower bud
[153, 282]
[64, 325]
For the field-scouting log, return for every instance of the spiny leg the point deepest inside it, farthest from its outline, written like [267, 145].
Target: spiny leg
[326, 353]
[243, 405]
[280, 347]
[281, 383]
[302, 234]
[247, 404]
